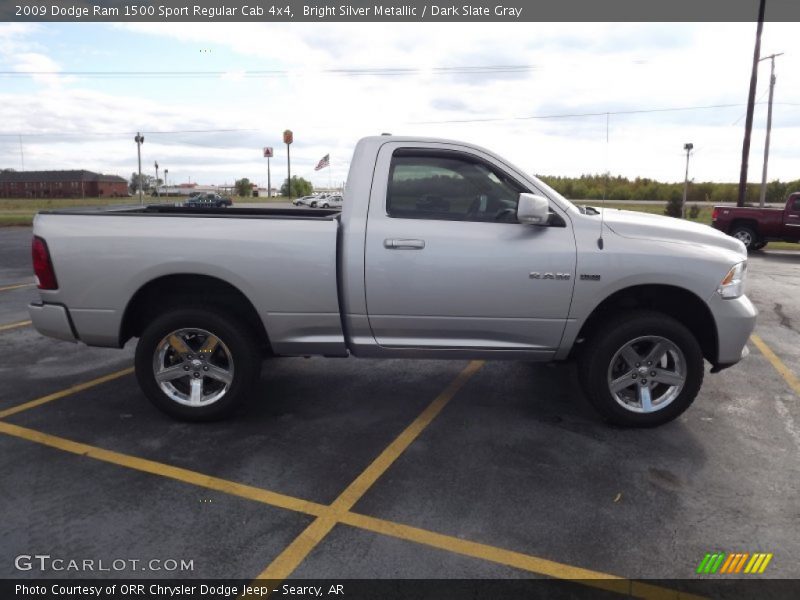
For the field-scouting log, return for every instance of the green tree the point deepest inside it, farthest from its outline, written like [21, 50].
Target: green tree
[148, 183]
[243, 187]
[300, 187]
[674, 204]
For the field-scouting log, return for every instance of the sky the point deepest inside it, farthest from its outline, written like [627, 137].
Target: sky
[233, 88]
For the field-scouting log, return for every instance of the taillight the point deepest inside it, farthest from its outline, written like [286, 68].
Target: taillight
[43, 266]
[714, 214]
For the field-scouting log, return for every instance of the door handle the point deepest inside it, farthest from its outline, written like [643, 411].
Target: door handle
[402, 244]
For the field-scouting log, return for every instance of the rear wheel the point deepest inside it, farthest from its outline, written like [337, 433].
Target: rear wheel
[641, 369]
[759, 245]
[196, 364]
[745, 235]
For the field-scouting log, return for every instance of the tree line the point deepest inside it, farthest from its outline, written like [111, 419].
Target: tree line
[595, 187]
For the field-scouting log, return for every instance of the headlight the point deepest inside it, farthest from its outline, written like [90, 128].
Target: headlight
[732, 285]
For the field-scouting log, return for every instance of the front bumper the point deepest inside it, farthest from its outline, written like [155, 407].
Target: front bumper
[52, 320]
[735, 321]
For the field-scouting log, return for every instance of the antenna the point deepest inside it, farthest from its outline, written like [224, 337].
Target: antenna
[603, 203]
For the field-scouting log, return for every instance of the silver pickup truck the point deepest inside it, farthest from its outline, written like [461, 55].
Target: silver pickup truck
[442, 250]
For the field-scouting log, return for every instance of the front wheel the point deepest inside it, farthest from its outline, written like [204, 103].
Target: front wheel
[641, 369]
[196, 364]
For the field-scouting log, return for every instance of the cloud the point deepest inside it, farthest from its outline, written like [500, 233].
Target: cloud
[338, 82]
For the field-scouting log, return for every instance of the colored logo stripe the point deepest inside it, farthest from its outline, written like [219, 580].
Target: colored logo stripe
[736, 562]
[711, 563]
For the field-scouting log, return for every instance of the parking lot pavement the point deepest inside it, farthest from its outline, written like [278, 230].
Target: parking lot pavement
[515, 478]
[72, 507]
[15, 256]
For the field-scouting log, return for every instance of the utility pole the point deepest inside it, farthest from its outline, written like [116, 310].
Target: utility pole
[751, 100]
[688, 147]
[288, 138]
[166, 173]
[157, 192]
[268, 153]
[763, 197]
[139, 139]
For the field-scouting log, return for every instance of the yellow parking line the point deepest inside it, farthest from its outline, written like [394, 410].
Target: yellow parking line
[288, 560]
[777, 363]
[339, 511]
[155, 468]
[66, 392]
[510, 558]
[14, 325]
[16, 286]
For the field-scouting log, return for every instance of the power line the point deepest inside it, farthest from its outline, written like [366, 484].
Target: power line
[585, 114]
[601, 113]
[369, 71]
[121, 133]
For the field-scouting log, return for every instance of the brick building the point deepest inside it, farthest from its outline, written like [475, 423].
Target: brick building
[61, 184]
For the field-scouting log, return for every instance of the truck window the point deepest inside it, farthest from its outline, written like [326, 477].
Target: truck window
[449, 186]
[795, 205]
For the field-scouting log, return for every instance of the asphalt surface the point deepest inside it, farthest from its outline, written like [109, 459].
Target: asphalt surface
[516, 461]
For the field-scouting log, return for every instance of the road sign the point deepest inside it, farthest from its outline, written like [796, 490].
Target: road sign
[288, 136]
[268, 152]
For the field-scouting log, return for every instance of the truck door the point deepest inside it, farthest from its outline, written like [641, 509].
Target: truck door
[447, 265]
[792, 219]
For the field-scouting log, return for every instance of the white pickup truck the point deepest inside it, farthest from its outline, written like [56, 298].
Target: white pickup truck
[442, 250]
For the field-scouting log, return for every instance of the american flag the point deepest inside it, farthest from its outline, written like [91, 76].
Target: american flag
[325, 161]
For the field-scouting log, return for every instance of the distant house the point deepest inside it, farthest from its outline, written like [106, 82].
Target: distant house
[61, 184]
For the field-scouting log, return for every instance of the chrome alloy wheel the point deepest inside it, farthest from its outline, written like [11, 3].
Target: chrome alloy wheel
[647, 374]
[193, 367]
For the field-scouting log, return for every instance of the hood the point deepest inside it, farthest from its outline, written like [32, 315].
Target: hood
[647, 226]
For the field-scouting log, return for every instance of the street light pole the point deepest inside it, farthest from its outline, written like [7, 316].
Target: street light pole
[688, 147]
[288, 138]
[166, 173]
[139, 139]
[763, 197]
[158, 195]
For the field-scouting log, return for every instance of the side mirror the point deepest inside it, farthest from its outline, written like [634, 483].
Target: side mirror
[533, 209]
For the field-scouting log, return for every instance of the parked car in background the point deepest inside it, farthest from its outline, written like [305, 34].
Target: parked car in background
[304, 201]
[334, 201]
[755, 227]
[208, 200]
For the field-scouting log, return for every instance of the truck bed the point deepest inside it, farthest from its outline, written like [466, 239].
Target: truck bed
[282, 260]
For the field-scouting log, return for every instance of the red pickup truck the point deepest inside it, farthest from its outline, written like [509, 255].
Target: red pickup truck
[757, 226]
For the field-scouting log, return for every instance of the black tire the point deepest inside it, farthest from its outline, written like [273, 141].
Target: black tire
[746, 235]
[313, 204]
[238, 353]
[325, 205]
[759, 245]
[596, 369]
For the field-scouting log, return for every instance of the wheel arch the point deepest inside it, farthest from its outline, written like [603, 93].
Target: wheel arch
[744, 222]
[182, 289]
[679, 303]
